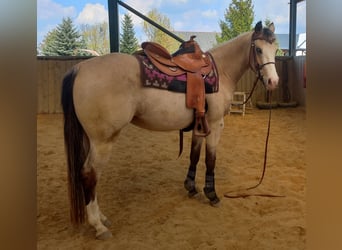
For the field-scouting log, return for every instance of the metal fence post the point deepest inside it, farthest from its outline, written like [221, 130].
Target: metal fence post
[113, 21]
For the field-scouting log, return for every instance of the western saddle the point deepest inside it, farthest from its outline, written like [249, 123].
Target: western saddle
[189, 60]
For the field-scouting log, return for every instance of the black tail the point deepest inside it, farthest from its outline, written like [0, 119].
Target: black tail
[77, 149]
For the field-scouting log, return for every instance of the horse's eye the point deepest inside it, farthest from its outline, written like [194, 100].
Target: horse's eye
[258, 50]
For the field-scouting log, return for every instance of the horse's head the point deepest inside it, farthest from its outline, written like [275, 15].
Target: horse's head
[262, 55]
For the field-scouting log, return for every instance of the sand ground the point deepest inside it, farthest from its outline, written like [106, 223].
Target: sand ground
[141, 190]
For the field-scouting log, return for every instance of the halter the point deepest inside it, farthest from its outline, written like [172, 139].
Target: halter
[253, 62]
[255, 66]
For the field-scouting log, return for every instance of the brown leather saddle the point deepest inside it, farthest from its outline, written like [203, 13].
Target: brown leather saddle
[191, 60]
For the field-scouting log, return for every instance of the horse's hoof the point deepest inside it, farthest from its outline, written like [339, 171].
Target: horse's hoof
[104, 236]
[189, 184]
[192, 193]
[211, 195]
[107, 223]
[215, 203]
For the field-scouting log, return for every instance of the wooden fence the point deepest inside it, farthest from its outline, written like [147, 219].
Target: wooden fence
[50, 72]
[290, 71]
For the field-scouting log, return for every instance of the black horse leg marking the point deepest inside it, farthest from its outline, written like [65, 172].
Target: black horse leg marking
[209, 188]
[195, 152]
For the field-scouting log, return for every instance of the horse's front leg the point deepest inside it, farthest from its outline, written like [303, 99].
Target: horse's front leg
[210, 161]
[189, 183]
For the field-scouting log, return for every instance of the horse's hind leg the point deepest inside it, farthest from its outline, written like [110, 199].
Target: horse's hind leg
[189, 183]
[97, 158]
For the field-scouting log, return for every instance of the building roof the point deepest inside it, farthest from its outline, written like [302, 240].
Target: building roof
[283, 40]
[206, 40]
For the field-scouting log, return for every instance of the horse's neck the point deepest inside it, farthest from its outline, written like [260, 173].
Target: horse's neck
[232, 57]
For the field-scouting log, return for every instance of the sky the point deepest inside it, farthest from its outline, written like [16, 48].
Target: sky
[185, 15]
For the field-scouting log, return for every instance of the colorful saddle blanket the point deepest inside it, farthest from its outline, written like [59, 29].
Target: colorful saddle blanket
[154, 78]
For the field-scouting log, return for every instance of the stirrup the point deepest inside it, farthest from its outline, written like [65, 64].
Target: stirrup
[201, 125]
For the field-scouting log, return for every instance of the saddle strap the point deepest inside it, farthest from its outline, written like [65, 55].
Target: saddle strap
[195, 92]
[195, 98]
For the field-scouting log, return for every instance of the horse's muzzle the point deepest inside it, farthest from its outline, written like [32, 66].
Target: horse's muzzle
[271, 83]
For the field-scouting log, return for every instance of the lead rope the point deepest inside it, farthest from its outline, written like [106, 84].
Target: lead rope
[251, 92]
[244, 195]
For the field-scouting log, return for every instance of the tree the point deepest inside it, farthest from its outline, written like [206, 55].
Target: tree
[96, 37]
[128, 42]
[238, 19]
[64, 40]
[158, 36]
[48, 47]
[68, 40]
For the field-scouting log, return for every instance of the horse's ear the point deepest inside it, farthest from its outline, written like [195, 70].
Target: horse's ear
[258, 27]
[271, 27]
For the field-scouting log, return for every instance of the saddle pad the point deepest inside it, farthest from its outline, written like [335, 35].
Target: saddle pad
[153, 77]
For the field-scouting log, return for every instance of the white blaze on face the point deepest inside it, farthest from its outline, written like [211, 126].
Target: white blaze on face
[265, 53]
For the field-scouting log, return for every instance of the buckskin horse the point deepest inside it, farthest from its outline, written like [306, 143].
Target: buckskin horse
[102, 95]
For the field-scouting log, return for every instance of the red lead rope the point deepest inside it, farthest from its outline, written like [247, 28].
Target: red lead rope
[244, 195]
